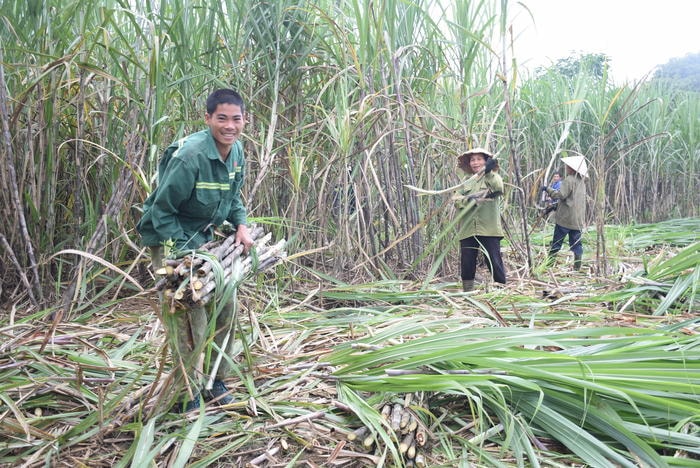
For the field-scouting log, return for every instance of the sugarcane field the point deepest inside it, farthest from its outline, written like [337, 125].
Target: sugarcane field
[352, 234]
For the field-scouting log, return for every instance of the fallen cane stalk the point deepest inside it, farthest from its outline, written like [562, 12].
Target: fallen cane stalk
[396, 413]
[183, 268]
[406, 442]
[225, 260]
[204, 295]
[358, 434]
[220, 250]
[405, 419]
[350, 454]
[411, 452]
[298, 419]
[270, 262]
[386, 412]
[264, 457]
[368, 441]
[167, 271]
[421, 436]
[412, 424]
[215, 248]
[268, 252]
[192, 276]
[261, 243]
[207, 285]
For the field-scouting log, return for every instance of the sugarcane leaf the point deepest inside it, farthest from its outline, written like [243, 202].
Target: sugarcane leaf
[142, 454]
[606, 422]
[686, 259]
[581, 442]
[101, 261]
[190, 441]
[679, 288]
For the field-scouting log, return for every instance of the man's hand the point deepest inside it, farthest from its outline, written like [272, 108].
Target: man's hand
[544, 188]
[243, 237]
[490, 165]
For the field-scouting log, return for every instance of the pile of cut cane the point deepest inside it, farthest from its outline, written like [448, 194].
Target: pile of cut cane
[193, 277]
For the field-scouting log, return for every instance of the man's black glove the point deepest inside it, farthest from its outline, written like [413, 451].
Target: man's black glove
[490, 165]
[544, 188]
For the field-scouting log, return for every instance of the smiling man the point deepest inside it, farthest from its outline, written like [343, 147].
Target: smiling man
[199, 181]
[199, 187]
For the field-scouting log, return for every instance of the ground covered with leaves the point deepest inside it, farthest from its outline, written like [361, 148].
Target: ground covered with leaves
[560, 369]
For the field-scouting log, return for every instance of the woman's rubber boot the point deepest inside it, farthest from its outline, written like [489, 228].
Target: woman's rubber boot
[577, 263]
[467, 285]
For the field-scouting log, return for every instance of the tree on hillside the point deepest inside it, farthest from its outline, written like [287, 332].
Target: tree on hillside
[681, 72]
[571, 66]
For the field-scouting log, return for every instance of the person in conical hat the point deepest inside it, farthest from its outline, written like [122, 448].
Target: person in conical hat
[480, 219]
[571, 211]
[464, 159]
[577, 163]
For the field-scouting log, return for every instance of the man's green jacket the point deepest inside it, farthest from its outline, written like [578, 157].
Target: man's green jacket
[196, 191]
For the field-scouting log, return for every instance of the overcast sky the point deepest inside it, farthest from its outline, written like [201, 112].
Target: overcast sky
[636, 34]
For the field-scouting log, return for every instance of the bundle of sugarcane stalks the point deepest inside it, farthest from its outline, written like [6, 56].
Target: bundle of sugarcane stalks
[193, 277]
[410, 433]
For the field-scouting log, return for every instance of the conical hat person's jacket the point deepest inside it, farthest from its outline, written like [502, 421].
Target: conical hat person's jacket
[482, 218]
[571, 210]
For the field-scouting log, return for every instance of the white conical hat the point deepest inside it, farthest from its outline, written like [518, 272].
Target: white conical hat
[577, 163]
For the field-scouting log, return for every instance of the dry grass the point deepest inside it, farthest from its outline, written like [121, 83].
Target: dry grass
[83, 394]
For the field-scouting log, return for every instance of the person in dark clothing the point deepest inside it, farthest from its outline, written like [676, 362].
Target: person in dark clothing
[571, 212]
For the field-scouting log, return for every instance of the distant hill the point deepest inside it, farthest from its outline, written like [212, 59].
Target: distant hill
[681, 72]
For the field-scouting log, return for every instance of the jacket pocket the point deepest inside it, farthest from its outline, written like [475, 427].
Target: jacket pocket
[203, 204]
